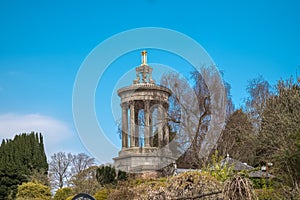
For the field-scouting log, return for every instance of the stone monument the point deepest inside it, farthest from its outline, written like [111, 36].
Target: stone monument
[145, 130]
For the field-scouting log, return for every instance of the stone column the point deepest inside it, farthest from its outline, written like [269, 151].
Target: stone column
[147, 124]
[166, 136]
[151, 131]
[132, 124]
[160, 125]
[137, 127]
[166, 127]
[124, 125]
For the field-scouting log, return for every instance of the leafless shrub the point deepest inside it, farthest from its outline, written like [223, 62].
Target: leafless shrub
[237, 188]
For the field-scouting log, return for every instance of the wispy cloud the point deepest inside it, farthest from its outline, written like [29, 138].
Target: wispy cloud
[16, 73]
[55, 132]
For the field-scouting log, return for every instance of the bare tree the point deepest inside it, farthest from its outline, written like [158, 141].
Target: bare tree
[81, 162]
[229, 103]
[85, 181]
[184, 115]
[259, 91]
[64, 168]
[190, 113]
[59, 169]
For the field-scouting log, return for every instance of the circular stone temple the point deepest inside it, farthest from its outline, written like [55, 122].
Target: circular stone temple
[145, 129]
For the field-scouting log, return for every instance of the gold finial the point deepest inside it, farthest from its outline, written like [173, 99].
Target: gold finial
[144, 71]
[144, 57]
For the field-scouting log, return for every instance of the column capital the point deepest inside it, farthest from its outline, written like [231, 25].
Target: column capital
[146, 103]
[124, 104]
[131, 102]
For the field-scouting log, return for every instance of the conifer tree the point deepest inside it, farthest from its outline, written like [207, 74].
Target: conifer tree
[20, 158]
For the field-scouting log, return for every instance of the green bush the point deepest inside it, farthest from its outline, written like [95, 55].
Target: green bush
[268, 194]
[122, 176]
[258, 183]
[106, 175]
[109, 175]
[63, 193]
[32, 191]
[101, 194]
[262, 183]
[220, 171]
[70, 197]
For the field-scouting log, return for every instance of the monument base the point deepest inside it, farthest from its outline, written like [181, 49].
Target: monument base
[139, 160]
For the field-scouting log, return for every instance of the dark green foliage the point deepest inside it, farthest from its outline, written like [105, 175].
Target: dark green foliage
[237, 138]
[19, 158]
[258, 183]
[122, 176]
[106, 175]
[10, 178]
[263, 183]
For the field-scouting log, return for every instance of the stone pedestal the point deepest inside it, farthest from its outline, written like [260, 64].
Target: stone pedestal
[138, 160]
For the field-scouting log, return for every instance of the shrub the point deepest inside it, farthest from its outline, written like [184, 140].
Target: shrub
[101, 194]
[122, 176]
[262, 183]
[70, 198]
[221, 171]
[265, 194]
[62, 193]
[189, 185]
[125, 193]
[106, 175]
[238, 187]
[32, 191]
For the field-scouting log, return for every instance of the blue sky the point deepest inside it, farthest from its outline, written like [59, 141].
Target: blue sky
[43, 44]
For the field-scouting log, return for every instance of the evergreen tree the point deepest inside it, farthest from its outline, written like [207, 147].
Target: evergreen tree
[20, 158]
[106, 175]
[237, 139]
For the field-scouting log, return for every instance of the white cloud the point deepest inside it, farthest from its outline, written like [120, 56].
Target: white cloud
[55, 132]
